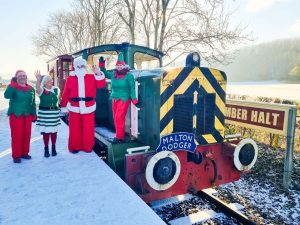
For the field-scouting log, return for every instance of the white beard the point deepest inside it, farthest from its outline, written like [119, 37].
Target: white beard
[80, 72]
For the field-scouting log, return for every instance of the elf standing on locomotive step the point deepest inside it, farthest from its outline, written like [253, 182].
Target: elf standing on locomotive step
[79, 99]
[123, 92]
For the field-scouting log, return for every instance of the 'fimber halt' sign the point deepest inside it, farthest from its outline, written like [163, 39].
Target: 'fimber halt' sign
[270, 117]
[267, 116]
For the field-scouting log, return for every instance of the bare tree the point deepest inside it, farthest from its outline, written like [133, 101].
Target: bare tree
[204, 26]
[173, 27]
[101, 19]
[65, 33]
[89, 23]
[182, 26]
[128, 16]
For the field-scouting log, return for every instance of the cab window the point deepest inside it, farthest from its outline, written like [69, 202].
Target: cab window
[110, 58]
[144, 61]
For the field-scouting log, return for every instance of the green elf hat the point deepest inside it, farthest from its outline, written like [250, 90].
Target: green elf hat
[120, 59]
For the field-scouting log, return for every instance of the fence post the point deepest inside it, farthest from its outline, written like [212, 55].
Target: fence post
[288, 162]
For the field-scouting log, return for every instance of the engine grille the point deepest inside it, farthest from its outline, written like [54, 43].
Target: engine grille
[184, 110]
[205, 114]
[183, 113]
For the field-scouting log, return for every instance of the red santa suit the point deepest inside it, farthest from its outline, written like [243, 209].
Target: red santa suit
[79, 99]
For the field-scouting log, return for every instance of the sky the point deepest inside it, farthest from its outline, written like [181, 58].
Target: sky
[267, 19]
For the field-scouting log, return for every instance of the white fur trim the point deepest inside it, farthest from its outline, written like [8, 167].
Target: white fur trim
[99, 75]
[81, 87]
[64, 109]
[79, 61]
[81, 110]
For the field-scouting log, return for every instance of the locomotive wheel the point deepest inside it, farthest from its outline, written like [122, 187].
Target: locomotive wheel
[245, 154]
[163, 170]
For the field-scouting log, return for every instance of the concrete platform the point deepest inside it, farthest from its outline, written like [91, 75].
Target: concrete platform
[66, 189]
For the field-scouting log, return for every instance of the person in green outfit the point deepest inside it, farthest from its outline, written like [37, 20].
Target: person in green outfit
[48, 114]
[123, 92]
[21, 112]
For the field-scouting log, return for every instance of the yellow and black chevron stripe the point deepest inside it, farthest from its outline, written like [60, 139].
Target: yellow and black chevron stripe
[191, 81]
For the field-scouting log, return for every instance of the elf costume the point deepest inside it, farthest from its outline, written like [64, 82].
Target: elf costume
[123, 92]
[48, 116]
[21, 112]
[79, 98]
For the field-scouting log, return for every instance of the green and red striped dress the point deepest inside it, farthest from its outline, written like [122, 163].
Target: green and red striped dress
[48, 115]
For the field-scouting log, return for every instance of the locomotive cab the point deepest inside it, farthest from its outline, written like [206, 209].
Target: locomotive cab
[136, 57]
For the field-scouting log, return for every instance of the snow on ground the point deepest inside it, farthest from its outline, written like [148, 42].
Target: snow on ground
[270, 89]
[261, 192]
[66, 189]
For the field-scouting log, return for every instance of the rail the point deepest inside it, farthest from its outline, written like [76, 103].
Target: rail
[224, 208]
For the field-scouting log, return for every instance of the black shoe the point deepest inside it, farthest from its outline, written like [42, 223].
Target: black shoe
[74, 151]
[46, 154]
[53, 152]
[17, 160]
[26, 156]
[117, 140]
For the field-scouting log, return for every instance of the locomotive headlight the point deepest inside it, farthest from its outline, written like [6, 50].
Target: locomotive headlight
[196, 57]
[192, 59]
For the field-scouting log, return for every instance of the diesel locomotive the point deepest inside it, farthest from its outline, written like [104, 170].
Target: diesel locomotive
[175, 137]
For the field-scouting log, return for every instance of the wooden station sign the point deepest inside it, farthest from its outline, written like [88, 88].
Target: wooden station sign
[269, 117]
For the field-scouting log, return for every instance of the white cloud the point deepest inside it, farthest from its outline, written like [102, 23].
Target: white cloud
[295, 27]
[258, 5]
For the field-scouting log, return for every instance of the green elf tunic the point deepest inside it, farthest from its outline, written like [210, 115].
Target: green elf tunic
[48, 114]
[21, 100]
[122, 88]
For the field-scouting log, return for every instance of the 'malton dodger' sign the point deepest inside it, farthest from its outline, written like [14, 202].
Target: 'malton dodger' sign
[177, 141]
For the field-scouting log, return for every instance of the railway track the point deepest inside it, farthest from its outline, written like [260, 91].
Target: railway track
[202, 208]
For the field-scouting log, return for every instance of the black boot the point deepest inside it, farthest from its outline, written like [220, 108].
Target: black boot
[53, 153]
[46, 154]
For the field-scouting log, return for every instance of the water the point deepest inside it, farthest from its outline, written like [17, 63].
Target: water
[265, 89]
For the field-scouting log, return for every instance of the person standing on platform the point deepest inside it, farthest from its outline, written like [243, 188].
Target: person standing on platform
[21, 112]
[78, 98]
[123, 92]
[48, 115]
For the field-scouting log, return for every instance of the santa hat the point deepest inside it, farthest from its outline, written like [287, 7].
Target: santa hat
[79, 61]
[18, 72]
[120, 60]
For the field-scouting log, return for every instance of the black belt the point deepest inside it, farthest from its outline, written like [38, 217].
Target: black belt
[49, 108]
[86, 99]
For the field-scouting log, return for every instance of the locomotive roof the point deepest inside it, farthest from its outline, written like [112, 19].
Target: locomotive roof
[123, 47]
[120, 47]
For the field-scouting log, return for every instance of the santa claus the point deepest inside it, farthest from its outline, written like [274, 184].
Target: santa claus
[79, 99]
